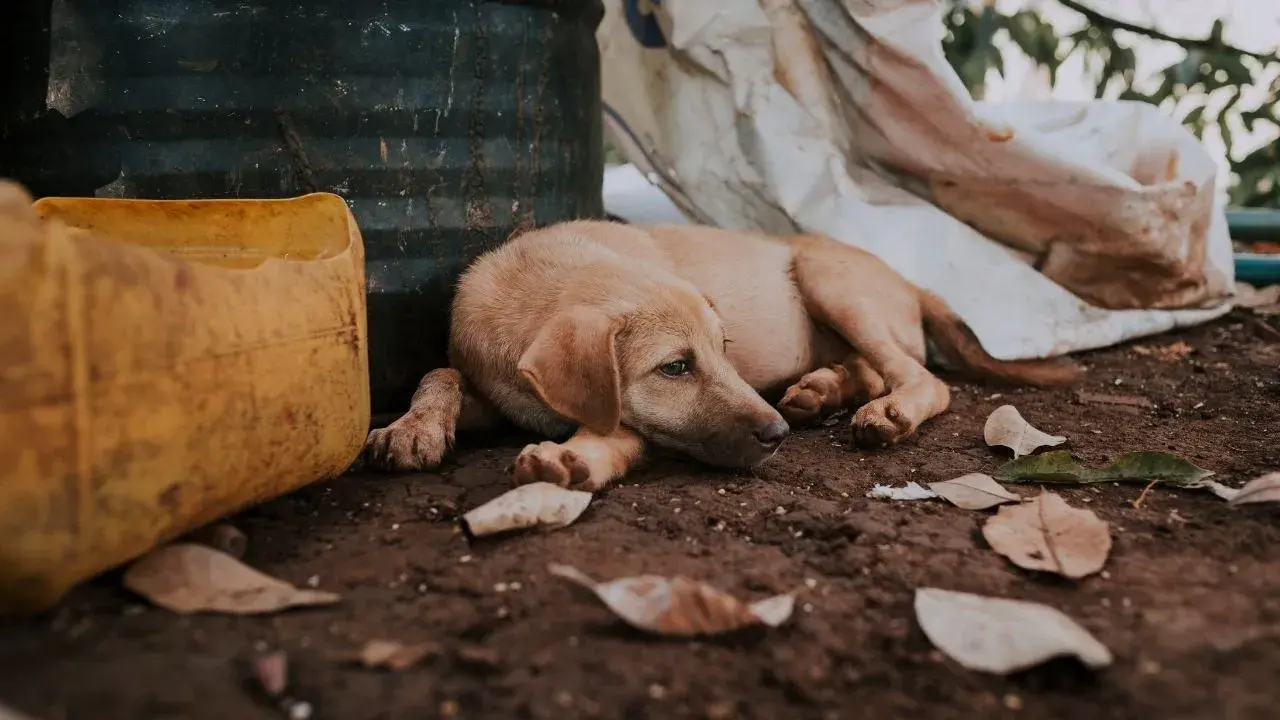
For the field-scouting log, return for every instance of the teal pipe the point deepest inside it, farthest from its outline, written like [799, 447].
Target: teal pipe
[1252, 225]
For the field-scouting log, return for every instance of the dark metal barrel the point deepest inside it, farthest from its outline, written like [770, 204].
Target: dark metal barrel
[445, 124]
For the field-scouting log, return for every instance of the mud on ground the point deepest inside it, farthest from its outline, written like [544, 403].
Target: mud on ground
[1190, 602]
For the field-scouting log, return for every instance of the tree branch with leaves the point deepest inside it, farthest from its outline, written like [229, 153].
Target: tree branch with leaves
[1209, 70]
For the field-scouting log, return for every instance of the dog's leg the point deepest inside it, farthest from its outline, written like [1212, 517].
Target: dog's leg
[441, 406]
[850, 384]
[877, 312]
[586, 461]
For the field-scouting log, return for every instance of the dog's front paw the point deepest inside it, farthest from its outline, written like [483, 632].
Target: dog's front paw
[815, 395]
[554, 463]
[416, 441]
[880, 423]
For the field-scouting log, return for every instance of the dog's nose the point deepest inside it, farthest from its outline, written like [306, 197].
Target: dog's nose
[772, 432]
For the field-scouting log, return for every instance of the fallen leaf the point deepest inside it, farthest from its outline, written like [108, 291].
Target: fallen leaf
[678, 606]
[1006, 428]
[1258, 490]
[974, 491]
[188, 578]
[392, 654]
[527, 506]
[272, 672]
[1222, 491]
[1001, 636]
[1045, 533]
[1172, 352]
[1059, 467]
[911, 491]
[1093, 398]
[1266, 299]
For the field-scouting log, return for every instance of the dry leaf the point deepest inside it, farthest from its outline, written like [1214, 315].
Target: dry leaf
[1045, 533]
[1002, 636]
[1172, 352]
[1259, 490]
[527, 506]
[679, 606]
[974, 491]
[392, 654]
[1266, 299]
[911, 491]
[188, 578]
[1222, 491]
[1006, 428]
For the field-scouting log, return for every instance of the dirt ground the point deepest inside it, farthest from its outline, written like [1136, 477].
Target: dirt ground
[1189, 604]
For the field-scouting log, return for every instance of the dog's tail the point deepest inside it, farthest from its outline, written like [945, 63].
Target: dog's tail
[958, 345]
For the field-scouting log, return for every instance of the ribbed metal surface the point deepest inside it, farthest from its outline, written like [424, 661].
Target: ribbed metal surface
[445, 124]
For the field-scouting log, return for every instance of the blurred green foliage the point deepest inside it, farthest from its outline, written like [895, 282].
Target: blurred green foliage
[1209, 66]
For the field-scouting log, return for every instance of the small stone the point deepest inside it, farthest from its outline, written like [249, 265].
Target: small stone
[464, 559]
[564, 699]
[395, 526]
[1012, 701]
[1126, 602]
[500, 587]
[657, 692]
[313, 581]
[1105, 575]
[449, 708]
[514, 585]
[720, 491]
[807, 607]
[300, 710]
[1105, 602]
[780, 511]
[810, 583]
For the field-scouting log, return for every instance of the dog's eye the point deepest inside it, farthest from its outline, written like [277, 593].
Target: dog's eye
[675, 368]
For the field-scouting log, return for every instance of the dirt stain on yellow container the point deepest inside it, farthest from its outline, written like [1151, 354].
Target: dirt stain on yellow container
[163, 364]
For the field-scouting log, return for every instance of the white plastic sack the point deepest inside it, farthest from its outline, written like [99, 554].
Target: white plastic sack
[844, 119]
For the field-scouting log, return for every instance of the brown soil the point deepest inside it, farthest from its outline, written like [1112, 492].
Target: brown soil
[1190, 602]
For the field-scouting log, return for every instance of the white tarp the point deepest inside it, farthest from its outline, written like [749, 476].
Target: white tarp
[844, 119]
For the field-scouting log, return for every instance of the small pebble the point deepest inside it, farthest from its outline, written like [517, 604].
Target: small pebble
[1012, 701]
[564, 699]
[515, 585]
[300, 710]
[395, 526]
[807, 607]
[1105, 575]
[449, 708]
[464, 559]
[313, 581]
[657, 692]
[720, 491]
[500, 587]
[1151, 667]
[810, 583]
[780, 511]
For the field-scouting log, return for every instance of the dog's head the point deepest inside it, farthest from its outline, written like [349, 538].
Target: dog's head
[656, 364]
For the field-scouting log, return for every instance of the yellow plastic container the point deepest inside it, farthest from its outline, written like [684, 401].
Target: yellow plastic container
[164, 364]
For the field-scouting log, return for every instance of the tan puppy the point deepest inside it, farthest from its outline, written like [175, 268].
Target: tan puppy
[612, 336]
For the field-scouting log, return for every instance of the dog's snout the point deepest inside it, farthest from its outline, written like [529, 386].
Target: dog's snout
[772, 432]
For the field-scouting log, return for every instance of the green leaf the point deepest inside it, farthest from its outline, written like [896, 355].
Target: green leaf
[1059, 467]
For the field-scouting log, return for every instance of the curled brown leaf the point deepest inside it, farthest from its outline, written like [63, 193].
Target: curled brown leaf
[678, 606]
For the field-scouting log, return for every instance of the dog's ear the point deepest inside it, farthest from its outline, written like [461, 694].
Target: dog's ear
[573, 366]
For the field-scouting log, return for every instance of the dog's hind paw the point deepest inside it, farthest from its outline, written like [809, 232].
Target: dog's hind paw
[554, 463]
[414, 442]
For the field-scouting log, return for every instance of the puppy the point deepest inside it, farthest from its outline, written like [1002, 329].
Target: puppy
[605, 337]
